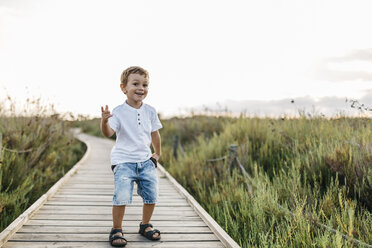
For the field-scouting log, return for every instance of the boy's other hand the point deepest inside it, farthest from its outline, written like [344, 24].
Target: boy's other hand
[105, 113]
[156, 156]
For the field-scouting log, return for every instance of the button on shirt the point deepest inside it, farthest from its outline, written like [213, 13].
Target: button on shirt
[133, 128]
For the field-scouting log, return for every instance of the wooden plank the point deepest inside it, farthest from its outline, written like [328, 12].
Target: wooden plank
[109, 203]
[190, 223]
[106, 191]
[105, 198]
[80, 191]
[128, 210]
[108, 208]
[95, 188]
[90, 189]
[109, 179]
[40, 216]
[105, 244]
[52, 237]
[72, 197]
[109, 193]
[106, 229]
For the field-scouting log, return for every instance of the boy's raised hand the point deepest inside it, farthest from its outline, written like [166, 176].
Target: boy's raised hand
[105, 113]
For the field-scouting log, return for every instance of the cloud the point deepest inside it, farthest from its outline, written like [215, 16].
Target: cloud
[335, 76]
[327, 106]
[361, 55]
[322, 70]
[367, 98]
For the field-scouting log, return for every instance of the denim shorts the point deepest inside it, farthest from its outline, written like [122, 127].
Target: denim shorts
[144, 174]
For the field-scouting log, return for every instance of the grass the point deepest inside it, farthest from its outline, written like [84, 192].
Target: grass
[310, 166]
[37, 150]
[317, 168]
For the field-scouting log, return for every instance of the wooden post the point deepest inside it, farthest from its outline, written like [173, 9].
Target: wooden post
[1, 148]
[175, 146]
[232, 156]
[63, 127]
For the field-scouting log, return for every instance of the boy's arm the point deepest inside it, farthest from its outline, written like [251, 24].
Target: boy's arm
[105, 128]
[156, 144]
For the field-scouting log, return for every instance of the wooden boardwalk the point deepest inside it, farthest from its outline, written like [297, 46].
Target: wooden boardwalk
[78, 213]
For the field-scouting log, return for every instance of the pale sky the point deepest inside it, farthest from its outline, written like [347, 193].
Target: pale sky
[72, 52]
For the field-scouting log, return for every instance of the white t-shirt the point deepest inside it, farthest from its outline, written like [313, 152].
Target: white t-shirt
[133, 129]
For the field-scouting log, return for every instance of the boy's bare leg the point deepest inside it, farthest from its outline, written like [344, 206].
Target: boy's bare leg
[117, 219]
[147, 211]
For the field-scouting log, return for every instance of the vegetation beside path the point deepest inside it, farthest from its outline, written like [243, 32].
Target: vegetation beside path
[318, 168]
[37, 150]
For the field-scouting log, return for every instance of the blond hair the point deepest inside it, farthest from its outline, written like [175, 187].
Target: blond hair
[132, 70]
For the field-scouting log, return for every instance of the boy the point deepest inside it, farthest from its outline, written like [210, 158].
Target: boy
[136, 125]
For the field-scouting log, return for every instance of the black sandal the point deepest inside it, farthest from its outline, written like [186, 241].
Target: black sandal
[113, 237]
[149, 234]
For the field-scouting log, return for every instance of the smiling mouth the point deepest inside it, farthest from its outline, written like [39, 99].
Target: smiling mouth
[139, 94]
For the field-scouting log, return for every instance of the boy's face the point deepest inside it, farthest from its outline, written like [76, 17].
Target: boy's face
[136, 88]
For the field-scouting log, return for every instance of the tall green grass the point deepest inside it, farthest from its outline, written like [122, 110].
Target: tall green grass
[314, 167]
[317, 168]
[38, 149]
